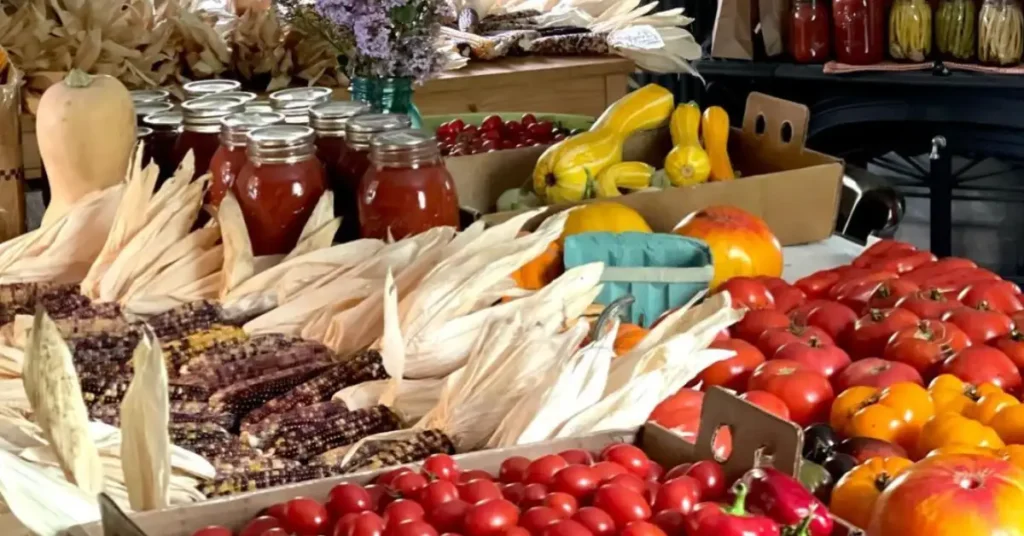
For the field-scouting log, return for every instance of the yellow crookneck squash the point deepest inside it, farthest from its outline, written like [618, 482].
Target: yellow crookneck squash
[685, 125]
[623, 176]
[715, 131]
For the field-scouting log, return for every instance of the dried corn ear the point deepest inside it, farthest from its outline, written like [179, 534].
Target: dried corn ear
[390, 453]
[306, 442]
[181, 412]
[177, 352]
[363, 367]
[304, 353]
[191, 433]
[242, 462]
[269, 426]
[251, 481]
[22, 298]
[585, 44]
[244, 397]
[231, 352]
[79, 325]
[186, 392]
[188, 318]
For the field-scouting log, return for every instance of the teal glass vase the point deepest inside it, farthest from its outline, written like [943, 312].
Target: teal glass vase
[387, 95]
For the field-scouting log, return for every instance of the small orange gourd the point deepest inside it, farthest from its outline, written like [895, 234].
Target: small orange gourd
[714, 128]
[628, 337]
[542, 270]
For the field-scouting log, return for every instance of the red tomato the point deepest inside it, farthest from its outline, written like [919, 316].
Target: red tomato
[869, 335]
[576, 480]
[630, 481]
[277, 531]
[361, 524]
[305, 516]
[980, 326]
[954, 281]
[903, 263]
[409, 484]
[825, 359]
[478, 490]
[380, 496]
[577, 457]
[928, 270]
[877, 373]
[533, 495]
[411, 528]
[670, 521]
[628, 456]
[347, 498]
[543, 469]
[680, 493]
[754, 323]
[276, 510]
[1013, 346]
[513, 469]
[214, 530]
[831, 317]
[875, 294]
[448, 517]
[747, 293]
[886, 247]
[436, 493]
[807, 394]
[605, 471]
[562, 503]
[595, 520]
[678, 470]
[818, 284]
[926, 345]
[980, 364]
[773, 339]
[655, 472]
[1002, 296]
[387, 478]
[787, 298]
[566, 527]
[710, 477]
[513, 492]
[642, 528]
[622, 504]
[514, 531]
[474, 474]
[491, 518]
[846, 288]
[734, 372]
[768, 402]
[442, 467]
[258, 526]
[929, 304]
[402, 510]
[537, 518]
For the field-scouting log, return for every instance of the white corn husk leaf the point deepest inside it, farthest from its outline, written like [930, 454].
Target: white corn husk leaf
[13, 396]
[43, 502]
[289, 318]
[319, 229]
[392, 348]
[145, 441]
[197, 241]
[415, 397]
[195, 265]
[238, 256]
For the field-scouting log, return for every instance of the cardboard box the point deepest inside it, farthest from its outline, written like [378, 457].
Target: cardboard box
[794, 189]
[757, 437]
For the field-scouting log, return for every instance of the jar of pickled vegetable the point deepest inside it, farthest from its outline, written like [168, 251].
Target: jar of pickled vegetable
[407, 189]
[809, 31]
[279, 186]
[227, 162]
[205, 88]
[910, 30]
[954, 29]
[859, 31]
[999, 32]
[353, 163]
[160, 144]
[200, 132]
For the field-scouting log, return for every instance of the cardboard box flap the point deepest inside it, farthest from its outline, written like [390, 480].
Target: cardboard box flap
[779, 125]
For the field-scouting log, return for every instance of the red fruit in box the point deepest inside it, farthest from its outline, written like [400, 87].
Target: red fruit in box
[926, 345]
[492, 122]
[1001, 296]
[825, 359]
[928, 304]
[902, 263]
[622, 504]
[681, 493]
[926, 271]
[577, 457]
[982, 364]
[732, 373]
[754, 323]
[537, 518]
[448, 517]
[513, 469]
[628, 456]
[770, 341]
[831, 317]
[787, 298]
[768, 402]
[886, 247]
[807, 394]
[1013, 346]
[869, 335]
[543, 469]
[980, 325]
[818, 284]
[747, 292]
[576, 480]
[845, 288]
[528, 119]
[875, 372]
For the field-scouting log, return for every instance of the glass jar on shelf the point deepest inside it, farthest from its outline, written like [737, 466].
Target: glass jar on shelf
[328, 121]
[406, 190]
[205, 88]
[955, 29]
[160, 144]
[279, 186]
[200, 131]
[809, 31]
[859, 31]
[230, 157]
[353, 163]
[910, 30]
[245, 97]
[314, 95]
[999, 32]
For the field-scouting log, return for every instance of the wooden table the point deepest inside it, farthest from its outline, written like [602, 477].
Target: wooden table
[568, 85]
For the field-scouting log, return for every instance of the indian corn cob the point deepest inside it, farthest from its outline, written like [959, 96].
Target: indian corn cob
[581, 44]
[246, 396]
[239, 350]
[188, 318]
[177, 352]
[302, 353]
[22, 298]
[269, 426]
[398, 452]
[180, 412]
[303, 443]
[251, 461]
[241, 482]
[363, 367]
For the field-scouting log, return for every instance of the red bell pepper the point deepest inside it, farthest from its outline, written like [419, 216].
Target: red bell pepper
[721, 520]
[783, 499]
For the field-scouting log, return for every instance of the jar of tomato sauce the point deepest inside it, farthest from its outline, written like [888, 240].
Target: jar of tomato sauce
[859, 31]
[205, 88]
[200, 131]
[353, 163]
[809, 31]
[146, 109]
[279, 186]
[245, 97]
[328, 121]
[406, 189]
[315, 95]
[230, 156]
[160, 144]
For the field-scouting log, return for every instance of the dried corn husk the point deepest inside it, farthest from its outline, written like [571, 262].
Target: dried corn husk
[392, 348]
[239, 263]
[145, 441]
[414, 399]
[42, 501]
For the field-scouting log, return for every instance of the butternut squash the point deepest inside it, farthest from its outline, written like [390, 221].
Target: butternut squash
[685, 125]
[86, 130]
[714, 127]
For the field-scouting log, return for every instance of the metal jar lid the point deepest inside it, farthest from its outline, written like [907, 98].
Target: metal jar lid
[235, 128]
[362, 128]
[258, 106]
[143, 132]
[329, 119]
[140, 96]
[244, 97]
[164, 121]
[404, 147]
[204, 114]
[280, 144]
[316, 95]
[200, 88]
[145, 109]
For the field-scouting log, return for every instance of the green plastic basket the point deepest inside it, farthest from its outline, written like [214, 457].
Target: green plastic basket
[568, 121]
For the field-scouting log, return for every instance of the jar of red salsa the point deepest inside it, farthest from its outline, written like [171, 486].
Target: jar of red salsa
[353, 163]
[201, 129]
[205, 88]
[407, 189]
[809, 31]
[859, 31]
[295, 103]
[230, 156]
[279, 186]
[160, 144]
[328, 121]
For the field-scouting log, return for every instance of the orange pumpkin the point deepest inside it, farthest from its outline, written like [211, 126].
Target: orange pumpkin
[950, 429]
[629, 336]
[542, 270]
[741, 244]
[855, 494]
[952, 495]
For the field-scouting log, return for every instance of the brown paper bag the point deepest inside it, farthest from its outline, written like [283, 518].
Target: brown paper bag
[773, 30]
[733, 34]
[12, 172]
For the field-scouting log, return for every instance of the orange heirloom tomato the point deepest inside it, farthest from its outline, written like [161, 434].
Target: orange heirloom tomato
[896, 413]
[1009, 424]
[986, 408]
[952, 495]
[962, 449]
[950, 429]
[855, 494]
[1013, 454]
[849, 402]
[629, 336]
[950, 393]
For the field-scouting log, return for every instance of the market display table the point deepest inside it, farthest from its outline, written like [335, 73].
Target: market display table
[805, 259]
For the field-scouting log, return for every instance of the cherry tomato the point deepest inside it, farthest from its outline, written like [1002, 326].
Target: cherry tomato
[475, 474]
[513, 531]
[654, 472]
[380, 496]
[806, 393]
[513, 469]
[528, 119]
[416, 527]
[576, 480]
[595, 520]
[562, 503]
[305, 516]
[748, 293]
[478, 490]
[409, 484]
[533, 495]
[513, 492]
[347, 498]
[387, 478]
[670, 521]
[537, 518]
[606, 470]
[577, 457]
[258, 526]
[436, 493]
[401, 511]
[642, 528]
[214, 530]
[711, 478]
[680, 493]
[492, 122]
[361, 524]
[442, 466]
[622, 504]
[677, 471]
[543, 469]
[448, 517]
[627, 480]
[566, 527]
[278, 531]
[628, 456]
[276, 510]
[491, 518]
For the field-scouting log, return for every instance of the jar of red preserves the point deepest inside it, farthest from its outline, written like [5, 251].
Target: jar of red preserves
[809, 31]
[160, 144]
[230, 156]
[859, 31]
[328, 121]
[146, 109]
[245, 97]
[353, 163]
[407, 189]
[200, 131]
[205, 88]
[279, 186]
[315, 95]
[141, 96]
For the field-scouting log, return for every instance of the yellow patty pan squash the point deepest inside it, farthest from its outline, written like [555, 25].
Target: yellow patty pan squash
[606, 216]
[566, 171]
